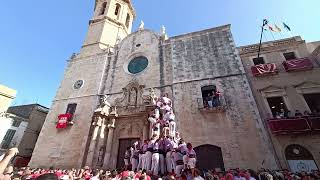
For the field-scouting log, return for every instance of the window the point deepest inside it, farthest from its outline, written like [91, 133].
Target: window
[289, 55]
[8, 138]
[128, 20]
[117, 11]
[313, 101]
[210, 96]
[277, 106]
[258, 61]
[71, 109]
[103, 8]
[138, 64]
[16, 123]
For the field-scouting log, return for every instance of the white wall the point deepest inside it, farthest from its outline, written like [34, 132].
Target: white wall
[5, 124]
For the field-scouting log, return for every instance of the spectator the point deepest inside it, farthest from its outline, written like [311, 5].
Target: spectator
[289, 114]
[252, 175]
[209, 100]
[298, 113]
[197, 175]
[282, 113]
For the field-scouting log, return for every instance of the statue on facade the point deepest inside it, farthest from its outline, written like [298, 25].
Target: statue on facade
[141, 26]
[163, 30]
[104, 107]
[133, 97]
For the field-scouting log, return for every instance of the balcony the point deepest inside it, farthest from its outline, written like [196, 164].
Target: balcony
[294, 125]
[218, 106]
[264, 69]
[298, 65]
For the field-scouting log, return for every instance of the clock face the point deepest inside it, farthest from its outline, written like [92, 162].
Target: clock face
[78, 84]
[138, 64]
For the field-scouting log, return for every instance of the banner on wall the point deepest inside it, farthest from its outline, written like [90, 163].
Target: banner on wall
[302, 165]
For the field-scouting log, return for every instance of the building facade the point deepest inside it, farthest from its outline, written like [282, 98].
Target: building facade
[285, 81]
[23, 125]
[6, 97]
[107, 89]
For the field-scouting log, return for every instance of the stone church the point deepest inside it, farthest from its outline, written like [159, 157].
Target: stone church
[107, 88]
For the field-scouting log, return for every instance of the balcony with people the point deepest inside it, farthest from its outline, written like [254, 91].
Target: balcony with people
[286, 122]
[212, 100]
[292, 63]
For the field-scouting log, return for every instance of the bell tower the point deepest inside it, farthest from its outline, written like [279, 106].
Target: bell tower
[111, 22]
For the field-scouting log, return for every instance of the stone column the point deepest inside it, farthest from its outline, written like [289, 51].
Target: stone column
[106, 162]
[93, 141]
[97, 162]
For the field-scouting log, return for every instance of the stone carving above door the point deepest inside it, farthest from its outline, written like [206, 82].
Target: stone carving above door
[131, 95]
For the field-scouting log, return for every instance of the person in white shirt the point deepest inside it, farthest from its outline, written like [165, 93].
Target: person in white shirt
[197, 175]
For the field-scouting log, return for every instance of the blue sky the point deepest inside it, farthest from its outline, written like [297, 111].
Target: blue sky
[38, 36]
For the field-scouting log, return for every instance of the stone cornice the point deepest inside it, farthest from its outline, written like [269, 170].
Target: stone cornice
[103, 18]
[271, 46]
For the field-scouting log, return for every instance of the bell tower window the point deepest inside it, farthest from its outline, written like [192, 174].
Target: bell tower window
[127, 20]
[103, 8]
[117, 10]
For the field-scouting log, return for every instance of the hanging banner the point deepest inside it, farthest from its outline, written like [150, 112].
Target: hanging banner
[63, 121]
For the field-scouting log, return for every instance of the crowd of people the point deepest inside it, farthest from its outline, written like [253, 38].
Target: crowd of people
[164, 156]
[7, 172]
[283, 114]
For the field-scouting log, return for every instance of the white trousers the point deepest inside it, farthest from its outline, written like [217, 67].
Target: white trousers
[178, 170]
[148, 160]
[169, 162]
[172, 129]
[162, 163]
[155, 163]
[192, 162]
[144, 161]
[134, 163]
[126, 162]
[185, 160]
[140, 162]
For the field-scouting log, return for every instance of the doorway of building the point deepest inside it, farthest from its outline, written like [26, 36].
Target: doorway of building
[123, 145]
[209, 157]
[300, 159]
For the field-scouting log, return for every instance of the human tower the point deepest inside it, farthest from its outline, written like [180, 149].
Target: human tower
[165, 152]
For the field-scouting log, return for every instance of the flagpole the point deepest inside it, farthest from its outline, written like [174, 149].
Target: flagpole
[262, 29]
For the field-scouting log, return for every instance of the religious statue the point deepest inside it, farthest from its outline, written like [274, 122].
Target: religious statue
[153, 96]
[163, 30]
[141, 26]
[133, 97]
[104, 107]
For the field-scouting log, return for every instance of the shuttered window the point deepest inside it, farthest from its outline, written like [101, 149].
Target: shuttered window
[8, 138]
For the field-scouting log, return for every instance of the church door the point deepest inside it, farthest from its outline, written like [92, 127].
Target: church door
[300, 159]
[209, 157]
[123, 145]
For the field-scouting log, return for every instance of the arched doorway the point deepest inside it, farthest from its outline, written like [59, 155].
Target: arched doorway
[299, 158]
[209, 157]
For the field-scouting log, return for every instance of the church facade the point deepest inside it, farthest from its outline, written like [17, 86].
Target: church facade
[107, 88]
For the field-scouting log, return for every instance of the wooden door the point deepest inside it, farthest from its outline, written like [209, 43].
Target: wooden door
[209, 157]
[123, 145]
